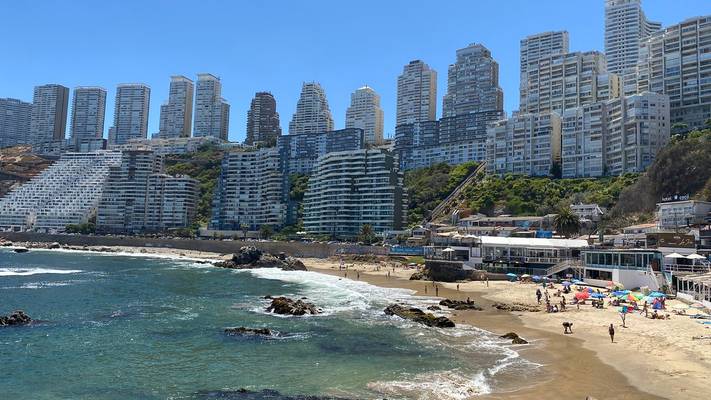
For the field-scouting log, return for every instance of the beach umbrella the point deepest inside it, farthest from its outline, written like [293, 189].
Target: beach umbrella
[637, 296]
[657, 294]
[597, 296]
[512, 277]
[613, 284]
[536, 278]
[582, 295]
[576, 281]
[695, 257]
[618, 293]
[525, 276]
[566, 283]
[448, 250]
[674, 255]
[697, 305]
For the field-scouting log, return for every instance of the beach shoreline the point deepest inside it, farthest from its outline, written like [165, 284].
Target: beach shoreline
[579, 365]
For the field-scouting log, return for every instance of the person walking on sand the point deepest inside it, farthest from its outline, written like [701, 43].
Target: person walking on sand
[611, 331]
[457, 287]
[358, 276]
[425, 289]
[538, 295]
[437, 291]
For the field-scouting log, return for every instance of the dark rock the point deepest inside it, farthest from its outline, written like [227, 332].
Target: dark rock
[460, 304]
[515, 338]
[16, 318]
[419, 275]
[242, 331]
[516, 307]
[419, 316]
[5, 243]
[286, 306]
[250, 257]
[434, 308]
[54, 245]
[267, 394]
[21, 250]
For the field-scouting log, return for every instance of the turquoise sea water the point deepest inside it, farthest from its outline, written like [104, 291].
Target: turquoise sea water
[128, 327]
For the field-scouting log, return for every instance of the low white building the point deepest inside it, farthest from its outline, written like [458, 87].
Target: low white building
[678, 214]
[590, 211]
[633, 268]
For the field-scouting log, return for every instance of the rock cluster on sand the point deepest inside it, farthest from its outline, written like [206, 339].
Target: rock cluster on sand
[460, 304]
[242, 331]
[250, 257]
[419, 316]
[516, 307]
[16, 318]
[244, 394]
[286, 306]
[515, 338]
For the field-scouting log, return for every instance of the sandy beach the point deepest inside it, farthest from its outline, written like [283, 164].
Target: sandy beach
[650, 359]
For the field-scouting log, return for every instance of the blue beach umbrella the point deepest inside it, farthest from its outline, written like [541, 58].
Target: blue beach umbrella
[576, 281]
[597, 296]
[566, 283]
[536, 278]
[657, 294]
[512, 277]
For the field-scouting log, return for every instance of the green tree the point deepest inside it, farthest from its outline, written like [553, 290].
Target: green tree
[367, 235]
[245, 229]
[266, 231]
[566, 223]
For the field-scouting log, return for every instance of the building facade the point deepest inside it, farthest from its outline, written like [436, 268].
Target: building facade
[365, 113]
[473, 83]
[171, 202]
[263, 125]
[525, 144]
[300, 152]
[67, 192]
[250, 191]
[625, 26]
[416, 94]
[15, 117]
[212, 113]
[49, 113]
[559, 82]
[312, 113]
[685, 213]
[676, 61]
[88, 111]
[615, 136]
[176, 115]
[355, 188]
[130, 113]
[535, 47]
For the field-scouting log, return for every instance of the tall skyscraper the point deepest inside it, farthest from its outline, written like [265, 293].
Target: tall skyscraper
[15, 116]
[473, 83]
[263, 120]
[365, 113]
[88, 111]
[416, 94]
[49, 113]
[130, 113]
[625, 26]
[312, 113]
[535, 47]
[176, 116]
[212, 113]
[675, 62]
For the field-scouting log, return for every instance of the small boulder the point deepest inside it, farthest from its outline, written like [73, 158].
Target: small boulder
[515, 338]
[286, 306]
[419, 316]
[242, 331]
[16, 318]
[54, 245]
[460, 304]
[434, 308]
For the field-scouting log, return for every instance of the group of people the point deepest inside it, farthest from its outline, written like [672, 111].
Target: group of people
[550, 307]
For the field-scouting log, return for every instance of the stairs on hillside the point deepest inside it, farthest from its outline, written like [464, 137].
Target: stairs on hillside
[451, 202]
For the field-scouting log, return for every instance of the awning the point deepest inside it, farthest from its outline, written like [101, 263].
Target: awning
[674, 255]
[695, 257]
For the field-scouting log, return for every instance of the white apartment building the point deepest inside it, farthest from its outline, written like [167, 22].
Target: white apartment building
[535, 47]
[130, 113]
[212, 112]
[162, 147]
[365, 113]
[352, 188]
[680, 214]
[249, 191]
[171, 201]
[676, 61]
[615, 136]
[67, 192]
[590, 211]
[416, 94]
[625, 26]
[312, 113]
[563, 81]
[525, 144]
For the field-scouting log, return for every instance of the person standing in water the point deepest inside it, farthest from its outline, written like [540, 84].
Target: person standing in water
[611, 331]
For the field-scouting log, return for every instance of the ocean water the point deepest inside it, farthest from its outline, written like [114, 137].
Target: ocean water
[130, 327]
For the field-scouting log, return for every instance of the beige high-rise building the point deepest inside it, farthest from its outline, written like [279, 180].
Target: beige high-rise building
[625, 26]
[176, 116]
[365, 113]
[416, 94]
[312, 112]
[559, 82]
[537, 46]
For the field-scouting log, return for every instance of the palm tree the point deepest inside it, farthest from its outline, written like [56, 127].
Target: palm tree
[265, 231]
[566, 223]
[366, 233]
[244, 228]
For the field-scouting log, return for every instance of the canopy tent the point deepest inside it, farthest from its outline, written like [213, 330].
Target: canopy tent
[566, 283]
[582, 295]
[695, 257]
[674, 255]
[448, 250]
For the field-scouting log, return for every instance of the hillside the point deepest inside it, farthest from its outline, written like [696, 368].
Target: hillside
[18, 165]
[683, 167]
[203, 165]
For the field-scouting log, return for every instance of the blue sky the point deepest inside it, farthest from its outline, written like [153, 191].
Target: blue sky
[276, 45]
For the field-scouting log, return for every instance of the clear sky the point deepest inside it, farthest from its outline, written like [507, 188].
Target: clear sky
[275, 45]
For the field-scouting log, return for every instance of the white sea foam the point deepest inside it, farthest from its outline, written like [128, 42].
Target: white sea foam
[148, 254]
[36, 271]
[445, 385]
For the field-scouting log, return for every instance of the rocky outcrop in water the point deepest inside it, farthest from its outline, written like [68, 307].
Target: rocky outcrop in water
[16, 318]
[244, 394]
[515, 338]
[286, 306]
[460, 304]
[419, 275]
[516, 307]
[242, 331]
[250, 257]
[419, 316]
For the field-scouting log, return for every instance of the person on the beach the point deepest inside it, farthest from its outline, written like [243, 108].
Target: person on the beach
[357, 275]
[538, 295]
[645, 309]
[425, 289]
[436, 290]
[611, 331]
[457, 287]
